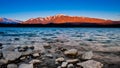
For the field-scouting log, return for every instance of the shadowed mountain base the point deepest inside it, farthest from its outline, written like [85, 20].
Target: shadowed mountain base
[59, 25]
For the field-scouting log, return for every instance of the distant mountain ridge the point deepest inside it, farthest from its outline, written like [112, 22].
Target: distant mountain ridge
[60, 20]
[9, 21]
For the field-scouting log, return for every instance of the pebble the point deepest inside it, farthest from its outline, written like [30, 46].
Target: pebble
[25, 66]
[49, 55]
[12, 66]
[36, 55]
[11, 55]
[72, 60]
[87, 55]
[61, 59]
[90, 64]
[35, 61]
[71, 52]
[70, 66]
[64, 64]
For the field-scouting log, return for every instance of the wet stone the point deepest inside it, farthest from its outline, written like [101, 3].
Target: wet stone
[9, 48]
[90, 64]
[87, 55]
[35, 61]
[12, 66]
[25, 66]
[70, 66]
[3, 61]
[61, 59]
[11, 55]
[72, 60]
[36, 55]
[71, 52]
[64, 64]
[47, 46]
[49, 55]
[59, 67]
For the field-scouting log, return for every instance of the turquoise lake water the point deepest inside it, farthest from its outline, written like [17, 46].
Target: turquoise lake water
[30, 36]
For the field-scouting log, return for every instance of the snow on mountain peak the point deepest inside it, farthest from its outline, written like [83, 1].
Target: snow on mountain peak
[6, 20]
[60, 15]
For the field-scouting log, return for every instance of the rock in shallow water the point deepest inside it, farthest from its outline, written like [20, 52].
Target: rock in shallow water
[39, 48]
[64, 64]
[26, 66]
[3, 61]
[70, 66]
[35, 61]
[9, 48]
[49, 55]
[72, 60]
[90, 64]
[71, 52]
[61, 59]
[11, 55]
[12, 66]
[87, 55]
[47, 46]
[36, 55]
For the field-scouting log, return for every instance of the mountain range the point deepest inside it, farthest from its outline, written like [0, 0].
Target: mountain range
[9, 21]
[61, 19]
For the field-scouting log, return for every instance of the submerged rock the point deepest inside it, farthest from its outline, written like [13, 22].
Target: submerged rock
[26, 66]
[36, 55]
[71, 52]
[23, 58]
[59, 67]
[87, 55]
[47, 46]
[11, 55]
[49, 55]
[61, 59]
[39, 48]
[12, 66]
[72, 60]
[64, 64]
[9, 48]
[90, 64]
[35, 61]
[70, 66]
[3, 61]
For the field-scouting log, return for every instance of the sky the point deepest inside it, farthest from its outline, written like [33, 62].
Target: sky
[25, 9]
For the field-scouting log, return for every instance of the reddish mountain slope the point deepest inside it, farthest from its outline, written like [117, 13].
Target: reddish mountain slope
[1, 19]
[60, 19]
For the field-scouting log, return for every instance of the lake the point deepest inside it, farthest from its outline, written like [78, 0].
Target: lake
[48, 44]
[30, 36]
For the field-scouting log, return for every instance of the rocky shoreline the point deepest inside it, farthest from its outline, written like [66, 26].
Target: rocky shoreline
[56, 55]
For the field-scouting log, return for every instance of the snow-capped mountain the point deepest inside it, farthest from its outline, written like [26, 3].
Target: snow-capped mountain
[9, 21]
[61, 18]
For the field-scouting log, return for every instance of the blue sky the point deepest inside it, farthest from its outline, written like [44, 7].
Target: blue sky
[25, 9]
